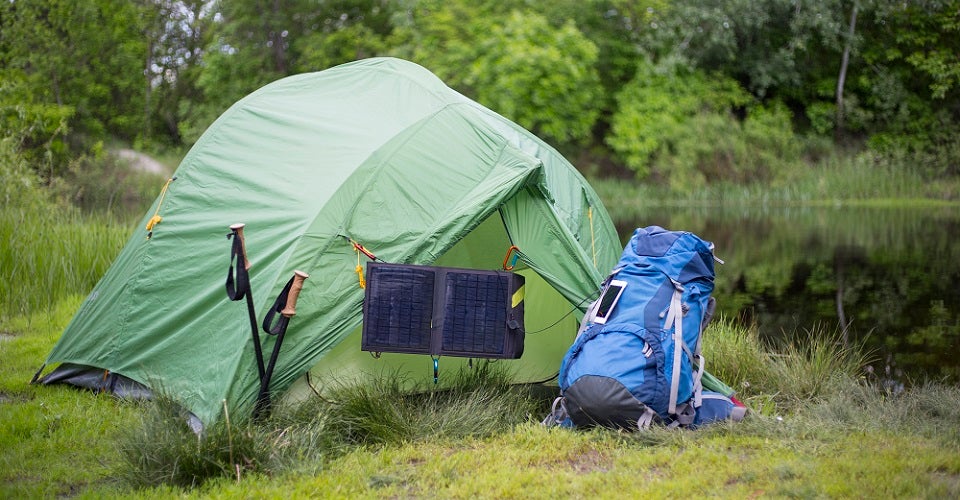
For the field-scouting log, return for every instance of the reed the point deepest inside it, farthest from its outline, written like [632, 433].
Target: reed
[813, 365]
[51, 248]
[865, 179]
[51, 254]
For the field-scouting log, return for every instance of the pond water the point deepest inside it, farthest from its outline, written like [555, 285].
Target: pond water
[886, 278]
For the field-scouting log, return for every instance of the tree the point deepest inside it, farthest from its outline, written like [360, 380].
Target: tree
[841, 79]
[254, 42]
[176, 33]
[344, 31]
[684, 127]
[249, 46]
[540, 76]
[85, 56]
[515, 62]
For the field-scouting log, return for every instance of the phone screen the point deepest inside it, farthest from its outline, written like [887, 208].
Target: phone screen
[608, 300]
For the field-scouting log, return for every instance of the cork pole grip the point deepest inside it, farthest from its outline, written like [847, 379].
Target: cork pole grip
[291, 306]
[238, 228]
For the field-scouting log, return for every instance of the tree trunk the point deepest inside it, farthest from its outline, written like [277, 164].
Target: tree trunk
[276, 35]
[841, 79]
[148, 90]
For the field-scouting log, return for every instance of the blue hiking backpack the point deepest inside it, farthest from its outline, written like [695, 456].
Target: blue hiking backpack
[637, 359]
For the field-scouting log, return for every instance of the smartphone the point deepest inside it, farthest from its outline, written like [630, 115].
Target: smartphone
[608, 300]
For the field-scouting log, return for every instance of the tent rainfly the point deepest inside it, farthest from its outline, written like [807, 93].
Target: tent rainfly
[378, 152]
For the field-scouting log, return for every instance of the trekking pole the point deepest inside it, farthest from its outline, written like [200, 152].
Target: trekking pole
[238, 286]
[286, 306]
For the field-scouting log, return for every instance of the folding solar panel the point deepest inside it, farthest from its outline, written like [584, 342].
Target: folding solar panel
[443, 311]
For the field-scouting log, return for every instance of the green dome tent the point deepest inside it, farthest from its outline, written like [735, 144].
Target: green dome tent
[377, 151]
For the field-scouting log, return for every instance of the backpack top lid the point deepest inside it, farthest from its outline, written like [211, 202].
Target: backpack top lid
[681, 255]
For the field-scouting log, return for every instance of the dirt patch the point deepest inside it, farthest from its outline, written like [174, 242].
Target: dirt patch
[590, 461]
[13, 397]
[142, 162]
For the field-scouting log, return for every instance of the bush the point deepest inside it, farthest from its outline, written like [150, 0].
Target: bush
[37, 131]
[688, 128]
[126, 197]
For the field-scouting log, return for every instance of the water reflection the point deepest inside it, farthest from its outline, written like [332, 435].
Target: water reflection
[889, 278]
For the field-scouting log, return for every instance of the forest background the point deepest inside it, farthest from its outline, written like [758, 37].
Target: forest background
[664, 101]
[677, 94]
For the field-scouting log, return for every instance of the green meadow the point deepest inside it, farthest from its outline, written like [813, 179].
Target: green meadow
[818, 426]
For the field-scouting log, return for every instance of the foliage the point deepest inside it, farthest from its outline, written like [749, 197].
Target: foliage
[46, 243]
[251, 43]
[614, 27]
[86, 55]
[540, 76]
[34, 132]
[345, 31]
[176, 33]
[160, 71]
[770, 46]
[682, 127]
[20, 186]
[924, 36]
[514, 61]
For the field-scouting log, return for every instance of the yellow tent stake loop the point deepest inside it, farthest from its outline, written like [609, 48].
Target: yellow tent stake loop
[156, 219]
[359, 269]
[593, 239]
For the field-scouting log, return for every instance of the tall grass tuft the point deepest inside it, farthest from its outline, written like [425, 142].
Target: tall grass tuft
[164, 450]
[49, 250]
[814, 366]
[479, 402]
[735, 354]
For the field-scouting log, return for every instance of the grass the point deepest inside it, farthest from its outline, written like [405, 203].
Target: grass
[50, 248]
[162, 450]
[865, 180]
[847, 438]
[56, 253]
[819, 427]
[52, 438]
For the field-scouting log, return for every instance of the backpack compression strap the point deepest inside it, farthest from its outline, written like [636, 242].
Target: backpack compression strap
[683, 414]
[675, 316]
